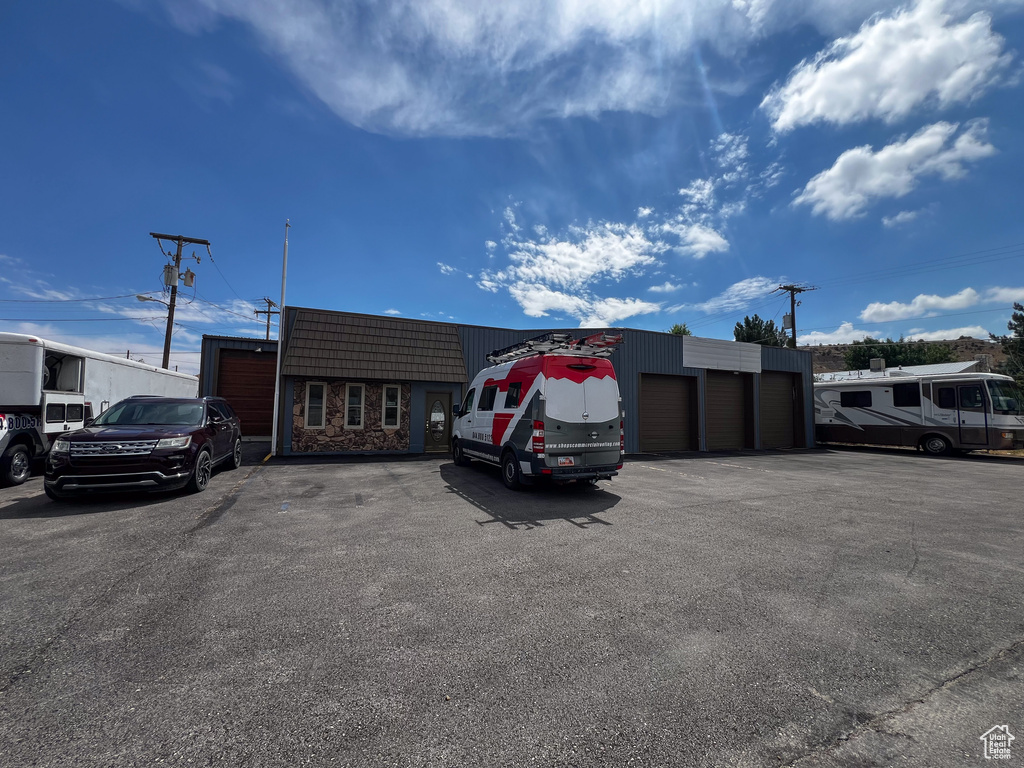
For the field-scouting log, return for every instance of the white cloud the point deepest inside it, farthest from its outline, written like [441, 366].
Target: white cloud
[1005, 295]
[922, 305]
[643, 213]
[890, 67]
[901, 218]
[861, 176]
[844, 334]
[392, 312]
[736, 296]
[696, 240]
[949, 334]
[701, 192]
[446, 269]
[462, 67]
[665, 287]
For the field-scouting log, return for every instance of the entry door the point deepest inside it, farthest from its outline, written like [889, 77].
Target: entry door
[438, 426]
[973, 423]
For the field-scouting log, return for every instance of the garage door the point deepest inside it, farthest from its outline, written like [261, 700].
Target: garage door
[726, 412]
[778, 410]
[666, 413]
[246, 380]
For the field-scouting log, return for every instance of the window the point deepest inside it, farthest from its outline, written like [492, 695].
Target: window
[353, 406]
[947, 398]
[468, 405]
[54, 413]
[971, 397]
[316, 396]
[487, 395]
[906, 395]
[76, 412]
[390, 409]
[512, 397]
[861, 399]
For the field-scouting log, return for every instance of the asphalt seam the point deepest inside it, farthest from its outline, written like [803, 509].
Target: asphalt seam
[877, 722]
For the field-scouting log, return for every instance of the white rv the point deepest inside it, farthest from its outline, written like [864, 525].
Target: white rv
[48, 388]
[937, 413]
[549, 408]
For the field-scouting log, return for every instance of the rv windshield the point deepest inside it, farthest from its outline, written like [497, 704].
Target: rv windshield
[1006, 397]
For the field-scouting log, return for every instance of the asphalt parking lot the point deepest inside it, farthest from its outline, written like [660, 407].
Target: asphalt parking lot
[819, 608]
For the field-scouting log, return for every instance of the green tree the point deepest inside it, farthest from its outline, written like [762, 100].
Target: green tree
[896, 353]
[758, 331]
[680, 329]
[1013, 345]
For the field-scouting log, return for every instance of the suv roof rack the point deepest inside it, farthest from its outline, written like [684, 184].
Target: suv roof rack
[596, 345]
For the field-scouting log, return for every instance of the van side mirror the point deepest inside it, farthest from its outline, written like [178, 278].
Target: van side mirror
[456, 411]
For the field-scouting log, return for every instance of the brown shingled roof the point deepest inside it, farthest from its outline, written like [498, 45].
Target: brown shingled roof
[340, 345]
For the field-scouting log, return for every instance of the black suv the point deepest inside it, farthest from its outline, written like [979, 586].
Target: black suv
[146, 443]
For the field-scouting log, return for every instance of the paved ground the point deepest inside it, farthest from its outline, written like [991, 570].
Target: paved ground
[824, 608]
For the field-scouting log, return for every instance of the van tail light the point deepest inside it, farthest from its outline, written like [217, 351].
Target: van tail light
[622, 438]
[537, 443]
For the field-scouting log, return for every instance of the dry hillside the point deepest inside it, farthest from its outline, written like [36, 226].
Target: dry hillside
[831, 357]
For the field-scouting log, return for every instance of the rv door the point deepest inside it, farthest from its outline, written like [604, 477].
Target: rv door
[62, 412]
[972, 417]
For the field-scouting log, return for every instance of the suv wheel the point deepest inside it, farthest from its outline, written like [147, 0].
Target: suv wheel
[236, 455]
[15, 465]
[201, 472]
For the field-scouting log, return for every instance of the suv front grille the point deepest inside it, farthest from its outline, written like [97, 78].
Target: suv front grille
[112, 448]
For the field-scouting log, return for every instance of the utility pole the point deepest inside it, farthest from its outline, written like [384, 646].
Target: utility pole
[171, 277]
[268, 312]
[793, 290]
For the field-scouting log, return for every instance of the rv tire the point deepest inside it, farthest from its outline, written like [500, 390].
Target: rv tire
[15, 465]
[510, 471]
[935, 445]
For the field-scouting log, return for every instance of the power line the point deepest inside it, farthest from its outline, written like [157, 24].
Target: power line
[64, 301]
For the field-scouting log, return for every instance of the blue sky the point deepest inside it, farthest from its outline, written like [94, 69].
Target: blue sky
[528, 163]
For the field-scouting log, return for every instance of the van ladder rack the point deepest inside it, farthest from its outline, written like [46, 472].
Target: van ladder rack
[596, 345]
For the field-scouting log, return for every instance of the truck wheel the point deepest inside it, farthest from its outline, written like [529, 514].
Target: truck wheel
[510, 471]
[15, 465]
[460, 458]
[201, 473]
[935, 445]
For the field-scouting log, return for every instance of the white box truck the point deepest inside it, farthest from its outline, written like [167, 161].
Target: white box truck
[48, 388]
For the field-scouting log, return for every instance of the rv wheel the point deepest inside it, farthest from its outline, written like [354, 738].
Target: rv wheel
[510, 471]
[935, 445]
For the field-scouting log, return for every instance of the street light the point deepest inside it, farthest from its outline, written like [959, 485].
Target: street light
[170, 325]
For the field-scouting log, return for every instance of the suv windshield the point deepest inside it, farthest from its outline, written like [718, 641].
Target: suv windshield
[1006, 397]
[136, 412]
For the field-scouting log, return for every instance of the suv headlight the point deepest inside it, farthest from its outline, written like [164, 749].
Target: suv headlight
[60, 445]
[175, 442]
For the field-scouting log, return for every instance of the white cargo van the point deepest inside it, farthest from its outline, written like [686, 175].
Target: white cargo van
[549, 408]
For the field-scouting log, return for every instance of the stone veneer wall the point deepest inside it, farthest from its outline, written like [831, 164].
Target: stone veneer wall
[334, 436]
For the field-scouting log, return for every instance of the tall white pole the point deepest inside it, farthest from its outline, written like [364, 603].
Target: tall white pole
[280, 342]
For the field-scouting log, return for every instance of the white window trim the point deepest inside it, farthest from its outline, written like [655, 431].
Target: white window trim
[362, 406]
[323, 414]
[384, 405]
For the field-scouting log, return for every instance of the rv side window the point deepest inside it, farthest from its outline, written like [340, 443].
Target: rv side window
[906, 395]
[512, 397]
[468, 405]
[76, 412]
[54, 413]
[861, 399]
[487, 395]
[947, 397]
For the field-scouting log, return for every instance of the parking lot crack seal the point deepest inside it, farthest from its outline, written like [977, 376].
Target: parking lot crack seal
[878, 722]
